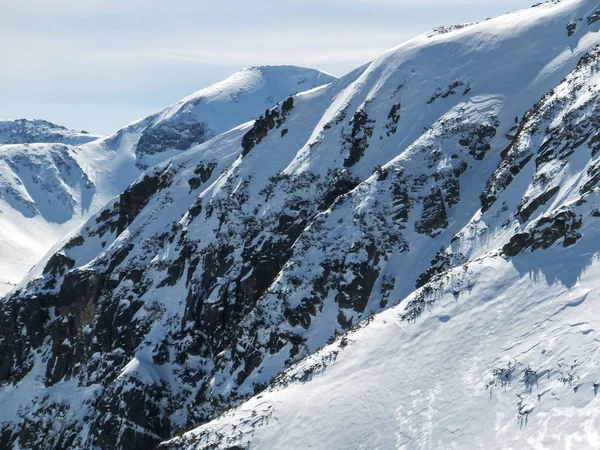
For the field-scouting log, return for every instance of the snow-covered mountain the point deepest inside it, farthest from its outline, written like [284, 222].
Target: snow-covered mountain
[41, 189]
[239, 286]
[44, 194]
[498, 349]
[49, 185]
[25, 131]
[212, 111]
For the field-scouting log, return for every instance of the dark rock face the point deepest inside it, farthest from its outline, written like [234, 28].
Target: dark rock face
[75, 242]
[434, 218]
[273, 118]
[203, 172]
[593, 174]
[166, 136]
[526, 210]
[342, 183]
[402, 202]
[547, 231]
[439, 264]
[571, 28]
[78, 295]
[58, 264]
[477, 141]
[356, 293]
[131, 202]
[450, 90]
[393, 117]
[30, 314]
[358, 139]
[593, 18]
[129, 410]
[517, 244]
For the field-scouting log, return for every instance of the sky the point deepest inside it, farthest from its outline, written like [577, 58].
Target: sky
[101, 64]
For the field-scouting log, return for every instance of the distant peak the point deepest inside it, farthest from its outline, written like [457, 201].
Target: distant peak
[29, 131]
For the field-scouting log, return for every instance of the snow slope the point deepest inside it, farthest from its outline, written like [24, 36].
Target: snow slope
[462, 164]
[44, 193]
[208, 113]
[511, 362]
[41, 187]
[49, 190]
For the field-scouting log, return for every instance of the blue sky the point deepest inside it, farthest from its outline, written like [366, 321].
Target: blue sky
[100, 64]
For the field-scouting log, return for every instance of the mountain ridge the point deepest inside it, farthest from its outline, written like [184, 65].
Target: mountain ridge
[32, 222]
[24, 131]
[222, 267]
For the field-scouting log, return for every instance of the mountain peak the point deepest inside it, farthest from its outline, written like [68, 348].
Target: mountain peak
[26, 131]
[241, 97]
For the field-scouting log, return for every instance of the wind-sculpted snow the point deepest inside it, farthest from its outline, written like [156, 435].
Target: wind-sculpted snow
[219, 269]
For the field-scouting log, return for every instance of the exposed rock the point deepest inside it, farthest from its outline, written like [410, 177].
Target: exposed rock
[177, 136]
[58, 264]
[571, 28]
[477, 141]
[78, 295]
[75, 242]
[273, 118]
[393, 117]
[526, 211]
[204, 172]
[433, 218]
[439, 264]
[450, 90]
[547, 231]
[358, 139]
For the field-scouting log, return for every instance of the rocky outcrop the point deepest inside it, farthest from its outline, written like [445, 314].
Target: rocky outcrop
[358, 139]
[179, 136]
[433, 218]
[273, 118]
[546, 232]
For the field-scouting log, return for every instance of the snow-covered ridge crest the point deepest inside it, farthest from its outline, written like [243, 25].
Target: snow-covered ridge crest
[217, 270]
[23, 131]
[216, 109]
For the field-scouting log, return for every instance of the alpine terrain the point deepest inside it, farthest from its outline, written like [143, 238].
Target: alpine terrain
[52, 179]
[405, 257]
[25, 131]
